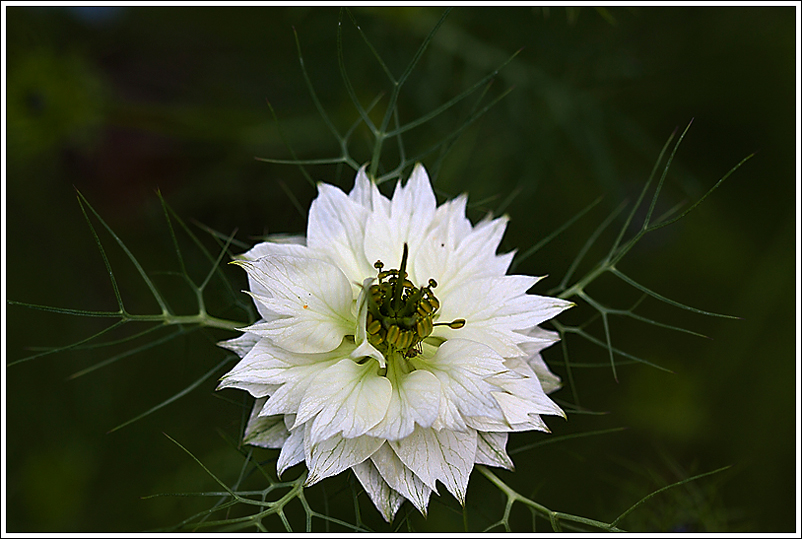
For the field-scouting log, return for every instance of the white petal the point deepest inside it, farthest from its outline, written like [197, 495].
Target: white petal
[293, 451]
[515, 412]
[415, 400]
[540, 340]
[495, 308]
[268, 248]
[451, 223]
[549, 381]
[404, 220]
[254, 387]
[543, 339]
[446, 456]
[266, 363]
[256, 390]
[346, 398]
[313, 298]
[240, 345]
[285, 245]
[268, 370]
[365, 191]
[268, 431]
[386, 500]
[523, 395]
[336, 231]
[401, 478]
[449, 416]
[461, 366]
[454, 263]
[485, 424]
[332, 456]
[491, 450]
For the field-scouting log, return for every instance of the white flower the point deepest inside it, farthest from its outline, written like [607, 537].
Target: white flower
[392, 343]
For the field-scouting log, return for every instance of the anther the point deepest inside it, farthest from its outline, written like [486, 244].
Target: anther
[424, 327]
[392, 334]
[374, 327]
[454, 324]
[426, 306]
[405, 340]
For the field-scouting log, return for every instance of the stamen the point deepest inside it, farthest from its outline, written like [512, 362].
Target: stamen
[400, 315]
[456, 324]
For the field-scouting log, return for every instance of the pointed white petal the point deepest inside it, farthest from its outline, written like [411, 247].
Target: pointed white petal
[361, 191]
[401, 478]
[540, 340]
[549, 381]
[491, 450]
[332, 456]
[495, 310]
[484, 424]
[365, 191]
[240, 345]
[267, 369]
[289, 245]
[446, 456]
[269, 248]
[312, 297]
[268, 431]
[461, 366]
[449, 416]
[523, 395]
[415, 400]
[455, 253]
[515, 412]
[266, 363]
[287, 398]
[451, 223]
[404, 220]
[293, 451]
[345, 398]
[336, 231]
[290, 373]
[386, 500]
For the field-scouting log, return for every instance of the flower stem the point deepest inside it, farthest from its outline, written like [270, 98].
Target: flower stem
[554, 516]
[202, 319]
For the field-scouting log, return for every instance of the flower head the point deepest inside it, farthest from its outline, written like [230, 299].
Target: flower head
[392, 342]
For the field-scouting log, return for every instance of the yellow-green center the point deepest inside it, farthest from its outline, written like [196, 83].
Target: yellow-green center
[401, 315]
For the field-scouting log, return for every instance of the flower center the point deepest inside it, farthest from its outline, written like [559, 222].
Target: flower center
[401, 315]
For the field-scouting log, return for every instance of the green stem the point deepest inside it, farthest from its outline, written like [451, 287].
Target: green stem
[202, 319]
[585, 281]
[553, 516]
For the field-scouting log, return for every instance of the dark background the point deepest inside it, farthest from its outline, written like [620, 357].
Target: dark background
[119, 102]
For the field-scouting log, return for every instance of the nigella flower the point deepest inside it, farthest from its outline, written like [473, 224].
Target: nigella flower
[393, 343]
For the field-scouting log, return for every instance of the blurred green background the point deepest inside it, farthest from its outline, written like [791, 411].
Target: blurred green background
[118, 102]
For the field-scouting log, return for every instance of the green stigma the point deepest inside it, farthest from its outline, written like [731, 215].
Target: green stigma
[401, 315]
